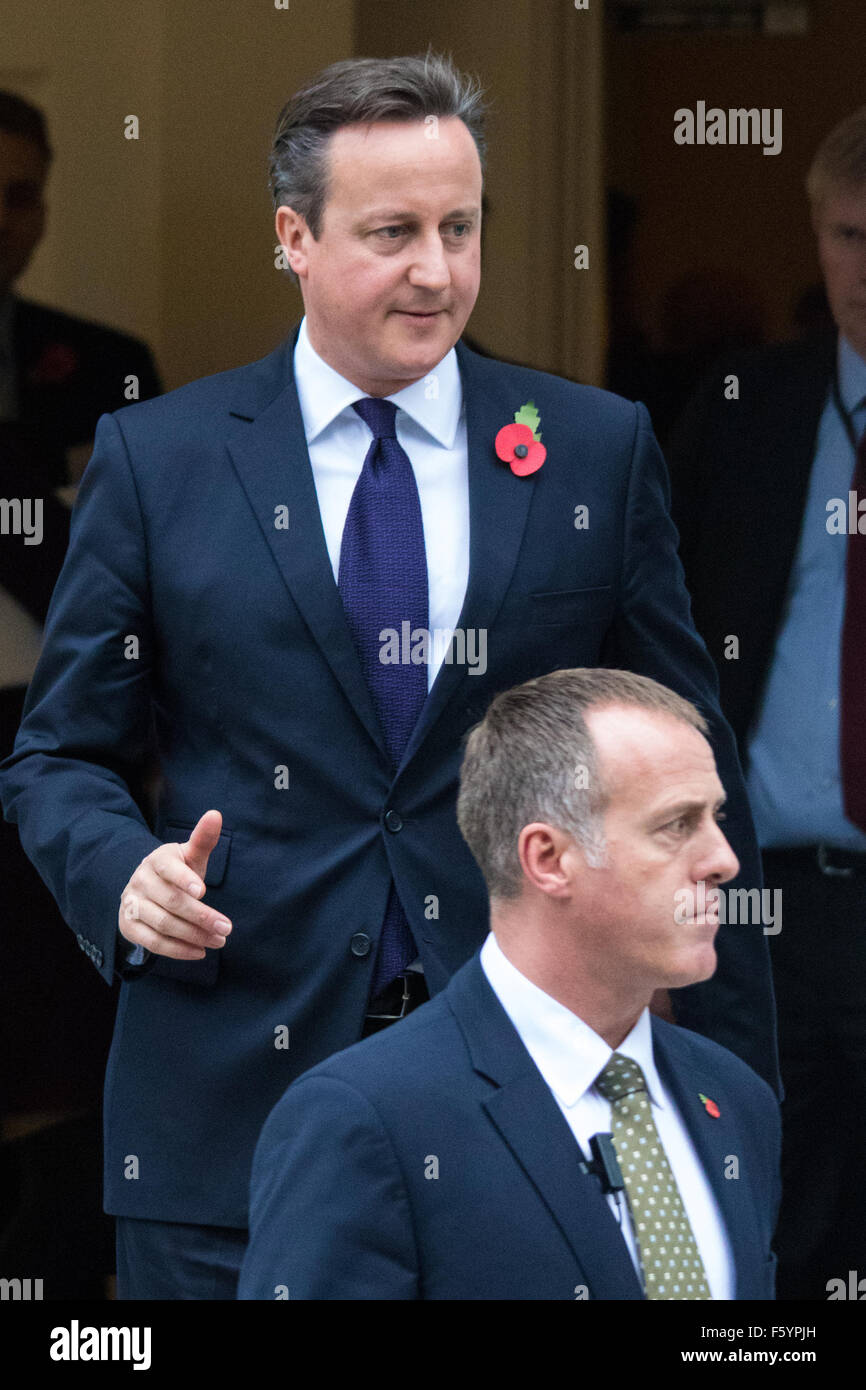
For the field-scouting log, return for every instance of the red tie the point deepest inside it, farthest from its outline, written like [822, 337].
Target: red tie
[852, 730]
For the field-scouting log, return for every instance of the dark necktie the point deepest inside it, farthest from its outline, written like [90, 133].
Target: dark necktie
[382, 579]
[852, 683]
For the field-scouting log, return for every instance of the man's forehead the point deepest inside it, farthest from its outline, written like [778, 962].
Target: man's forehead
[397, 146]
[636, 745]
[844, 203]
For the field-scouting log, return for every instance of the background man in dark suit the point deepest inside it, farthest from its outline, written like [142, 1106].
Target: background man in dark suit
[241, 551]
[779, 593]
[440, 1161]
[58, 374]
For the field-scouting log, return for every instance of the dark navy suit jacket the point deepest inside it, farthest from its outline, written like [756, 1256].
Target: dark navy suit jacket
[740, 481]
[432, 1161]
[187, 610]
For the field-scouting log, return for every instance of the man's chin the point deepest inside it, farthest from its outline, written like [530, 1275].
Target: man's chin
[413, 359]
[700, 965]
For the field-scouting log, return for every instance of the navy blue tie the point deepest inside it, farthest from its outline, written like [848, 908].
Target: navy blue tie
[382, 579]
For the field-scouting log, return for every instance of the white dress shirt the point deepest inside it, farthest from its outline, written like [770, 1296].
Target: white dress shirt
[570, 1055]
[431, 427]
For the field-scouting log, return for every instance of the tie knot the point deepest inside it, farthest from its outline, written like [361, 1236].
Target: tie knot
[621, 1077]
[380, 415]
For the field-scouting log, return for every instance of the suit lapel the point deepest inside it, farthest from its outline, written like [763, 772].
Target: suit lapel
[498, 509]
[527, 1117]
[716, 1140]
[270, 455]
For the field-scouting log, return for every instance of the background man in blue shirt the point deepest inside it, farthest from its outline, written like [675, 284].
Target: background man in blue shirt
[762, 462]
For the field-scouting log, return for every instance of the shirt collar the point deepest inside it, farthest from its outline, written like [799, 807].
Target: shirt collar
[852, 376]
[568, 1053]
[324, 394]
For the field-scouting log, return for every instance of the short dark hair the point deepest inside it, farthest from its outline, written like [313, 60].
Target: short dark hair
[359, 90]
[19, 117]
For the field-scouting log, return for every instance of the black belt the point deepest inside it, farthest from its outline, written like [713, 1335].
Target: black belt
[400, 997]
[834, 863]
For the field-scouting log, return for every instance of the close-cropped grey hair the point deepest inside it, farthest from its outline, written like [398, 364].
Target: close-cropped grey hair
[532, 758]
[358, 91]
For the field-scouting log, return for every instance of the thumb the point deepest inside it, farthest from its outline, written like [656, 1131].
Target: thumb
[202, 841]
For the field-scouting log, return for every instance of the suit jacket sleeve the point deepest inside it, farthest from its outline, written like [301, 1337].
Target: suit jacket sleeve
[687, 462]
[329, 1212]
[86, 724]
[653, 634]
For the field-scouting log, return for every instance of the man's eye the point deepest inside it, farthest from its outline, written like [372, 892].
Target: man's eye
[390, 229]
[721, 815]
[467, 225]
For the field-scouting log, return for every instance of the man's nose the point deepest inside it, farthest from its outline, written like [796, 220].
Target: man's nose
[719, 863]
[430, 267]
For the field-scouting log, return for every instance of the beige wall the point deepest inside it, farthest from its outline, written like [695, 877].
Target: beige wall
[89, 65]
[169, 236]
[230, 68]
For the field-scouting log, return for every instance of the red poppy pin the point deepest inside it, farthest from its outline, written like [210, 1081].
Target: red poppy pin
[57, 363]
[709, 1105]
[519, 445]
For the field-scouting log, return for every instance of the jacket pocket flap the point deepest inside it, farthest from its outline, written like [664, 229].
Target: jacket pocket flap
[219, 855]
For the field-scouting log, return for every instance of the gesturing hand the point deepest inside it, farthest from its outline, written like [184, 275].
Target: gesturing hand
[160, 907]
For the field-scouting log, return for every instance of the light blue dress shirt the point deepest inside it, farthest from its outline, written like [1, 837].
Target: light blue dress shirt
[794, 779]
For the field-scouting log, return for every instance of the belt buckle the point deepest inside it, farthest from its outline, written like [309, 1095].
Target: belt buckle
[831, 868]
[393, 1018]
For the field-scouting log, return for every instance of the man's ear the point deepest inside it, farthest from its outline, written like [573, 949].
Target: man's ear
[291, 228]
[547, 858]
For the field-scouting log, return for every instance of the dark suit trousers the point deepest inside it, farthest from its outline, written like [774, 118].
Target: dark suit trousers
[174, 1260]
[819, 970]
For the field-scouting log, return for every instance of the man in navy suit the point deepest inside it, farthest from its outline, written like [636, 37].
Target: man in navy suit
[253, 558]
[448, 1158]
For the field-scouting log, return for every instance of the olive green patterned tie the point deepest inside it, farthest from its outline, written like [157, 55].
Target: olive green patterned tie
[669, 1257]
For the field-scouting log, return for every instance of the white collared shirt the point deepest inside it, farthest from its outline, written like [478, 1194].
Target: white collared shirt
[570, 1055]
[431, 427]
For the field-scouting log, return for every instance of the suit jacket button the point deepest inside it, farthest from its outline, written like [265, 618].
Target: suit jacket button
[393, 821]
[360, 944]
